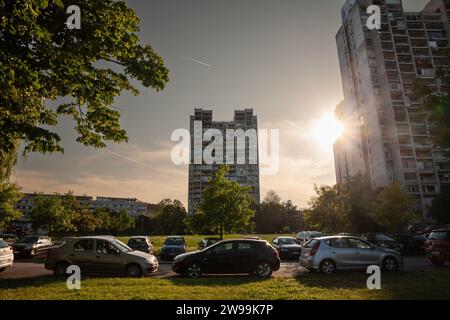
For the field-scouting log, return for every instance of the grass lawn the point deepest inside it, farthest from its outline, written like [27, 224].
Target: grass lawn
[192, 241]
[401, 285]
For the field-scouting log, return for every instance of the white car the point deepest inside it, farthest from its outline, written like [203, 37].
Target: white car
[6, 256]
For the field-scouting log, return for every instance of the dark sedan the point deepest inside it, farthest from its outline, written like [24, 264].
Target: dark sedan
[288, 247]
[172, 247]
[230, 257]
[383, 241]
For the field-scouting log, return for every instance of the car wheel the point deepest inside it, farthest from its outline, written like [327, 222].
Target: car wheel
[2, 269]
[390, 264]
[194, 271]
[133, 271]
[60, 269]
[438, 263]
[327, 267]
[263, 270]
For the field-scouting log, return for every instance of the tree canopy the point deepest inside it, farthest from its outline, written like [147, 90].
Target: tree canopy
[42, 60]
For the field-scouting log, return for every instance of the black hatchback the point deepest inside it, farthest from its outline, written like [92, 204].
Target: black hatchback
[230, 257]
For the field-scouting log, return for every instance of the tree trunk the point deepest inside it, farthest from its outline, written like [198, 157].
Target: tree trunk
[7, 161]
[221, 231]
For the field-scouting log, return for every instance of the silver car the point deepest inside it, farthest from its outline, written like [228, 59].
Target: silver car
[100, 255]
[329, 254]
[6, 256]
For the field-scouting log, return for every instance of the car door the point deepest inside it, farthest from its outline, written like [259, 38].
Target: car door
[245, 258]
[82, 254]
[108, 258]
[341, 253]
[220, 259]
[364, 254]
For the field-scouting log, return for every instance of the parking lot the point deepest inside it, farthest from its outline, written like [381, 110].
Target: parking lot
[24, 268]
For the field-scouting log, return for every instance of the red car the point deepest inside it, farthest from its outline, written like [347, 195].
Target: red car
[437, 247]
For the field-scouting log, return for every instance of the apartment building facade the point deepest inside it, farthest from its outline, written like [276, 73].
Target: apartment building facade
[387, 134]
[243, 167]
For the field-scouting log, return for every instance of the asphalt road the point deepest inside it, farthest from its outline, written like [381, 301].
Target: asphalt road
[29, 269]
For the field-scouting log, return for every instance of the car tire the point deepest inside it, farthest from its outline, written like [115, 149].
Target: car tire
[194, 271]
[438, 263]
[60, 269]
[133, 270]
[390, 264]
[327, 266]
[2, 269]
[263, 270]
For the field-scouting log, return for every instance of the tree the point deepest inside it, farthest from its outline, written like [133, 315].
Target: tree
[171, 218]
[9, 195]
[120, 222]
[274, 216]
[226, 205]
[53, 213]
[437, 104]
[391, 209]
[85, 221]
[42, 60]
[440, 208]
[328, 211]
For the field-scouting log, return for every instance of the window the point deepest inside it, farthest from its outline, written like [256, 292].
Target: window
[338, 243]
[355, 243]
[439, 235]
[224, 248]
[106, 247]
[84, 246]
[244, 246]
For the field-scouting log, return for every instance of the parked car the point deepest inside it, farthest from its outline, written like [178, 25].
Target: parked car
[9, 238]
[31, 245]
[100, 255]
[173, 246]
[207, 242]
[288, 247]
[237, 256]
[6, 255]
[412, 243]
[305, 236]
[330, 254]
[383, 241]
[437, 247]
[141, 243]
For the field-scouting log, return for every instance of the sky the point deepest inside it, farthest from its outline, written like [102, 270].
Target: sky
[277, 57]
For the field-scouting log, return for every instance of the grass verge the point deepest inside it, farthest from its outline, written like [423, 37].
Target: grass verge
[341, 286]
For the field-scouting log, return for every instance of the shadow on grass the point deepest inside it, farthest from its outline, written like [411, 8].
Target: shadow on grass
[28, 282]
[215, 280]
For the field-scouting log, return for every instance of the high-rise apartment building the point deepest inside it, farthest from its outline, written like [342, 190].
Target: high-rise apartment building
[243, 164]
[388, 133]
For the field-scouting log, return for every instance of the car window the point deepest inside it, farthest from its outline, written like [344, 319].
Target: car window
[223, 248]
[84, 246]
[439, 235]
[137, 241]
[106, 247]
[174, 242]
[356, 243]
[338, 243]
[244, 246]
[3, 244]
[286, 241]
[28, 240]
[382, 237]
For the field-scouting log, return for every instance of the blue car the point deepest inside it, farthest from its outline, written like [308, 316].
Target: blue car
[172, 247]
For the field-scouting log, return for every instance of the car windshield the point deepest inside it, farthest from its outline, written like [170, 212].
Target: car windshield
[286, 241]
[441, 235]
[382, 237]
[122, 246]
[3, 244]
[137, 241]
[28, 240]
[174, 242]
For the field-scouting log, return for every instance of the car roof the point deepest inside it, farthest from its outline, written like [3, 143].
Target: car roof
[138, 237]
[441, 230]
[336, 237]
[95, 238]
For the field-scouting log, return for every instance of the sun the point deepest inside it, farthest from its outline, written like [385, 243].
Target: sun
[326, 130]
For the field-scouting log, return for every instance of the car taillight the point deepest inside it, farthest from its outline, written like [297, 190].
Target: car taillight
[314, 249]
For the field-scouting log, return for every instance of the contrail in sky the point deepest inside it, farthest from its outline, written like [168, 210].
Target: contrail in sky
[129, 159]
[198, 61]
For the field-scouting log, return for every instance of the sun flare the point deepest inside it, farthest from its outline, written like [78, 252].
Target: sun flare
[327, 130]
